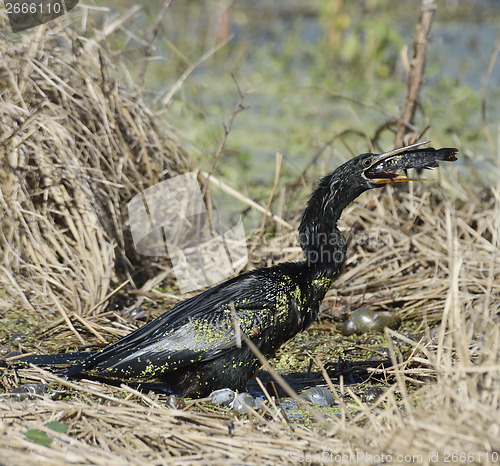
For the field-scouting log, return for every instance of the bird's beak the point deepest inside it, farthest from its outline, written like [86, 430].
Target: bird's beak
[391, 161]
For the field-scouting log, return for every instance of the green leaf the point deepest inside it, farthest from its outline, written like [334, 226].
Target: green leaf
[38, 437]
[57, 426]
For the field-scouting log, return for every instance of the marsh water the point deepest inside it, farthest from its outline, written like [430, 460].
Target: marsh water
[314, 71]
[322, 82]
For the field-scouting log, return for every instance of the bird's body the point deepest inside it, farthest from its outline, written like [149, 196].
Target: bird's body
[195, 347]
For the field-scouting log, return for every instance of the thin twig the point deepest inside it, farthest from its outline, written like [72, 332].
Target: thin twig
[238, 107]
[178, 85]
[88, 327]
[282, 382]
[149, 48]
[64, 315]
[103, 300]
[224, 187]
[417, 67]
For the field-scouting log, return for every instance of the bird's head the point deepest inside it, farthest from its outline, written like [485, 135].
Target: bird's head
[366, 171]
[369, 170]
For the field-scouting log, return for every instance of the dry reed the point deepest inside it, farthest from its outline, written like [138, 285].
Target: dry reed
[76, 145]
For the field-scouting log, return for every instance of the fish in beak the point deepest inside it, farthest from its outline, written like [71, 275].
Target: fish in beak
[386, 167]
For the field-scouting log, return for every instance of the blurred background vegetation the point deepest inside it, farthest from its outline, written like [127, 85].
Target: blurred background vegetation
[314, 69]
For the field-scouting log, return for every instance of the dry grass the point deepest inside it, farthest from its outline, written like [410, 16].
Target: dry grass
[75, 146]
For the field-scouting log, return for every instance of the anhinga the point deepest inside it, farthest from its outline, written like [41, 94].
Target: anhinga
[193, 347]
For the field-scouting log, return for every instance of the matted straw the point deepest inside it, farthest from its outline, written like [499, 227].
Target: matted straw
[76, 144]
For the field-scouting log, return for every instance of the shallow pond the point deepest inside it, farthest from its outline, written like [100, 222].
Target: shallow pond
[314, 71]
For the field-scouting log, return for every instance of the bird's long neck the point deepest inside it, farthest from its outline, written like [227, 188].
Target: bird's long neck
[321, 240]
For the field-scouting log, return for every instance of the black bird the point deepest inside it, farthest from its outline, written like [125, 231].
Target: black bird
[194, 349]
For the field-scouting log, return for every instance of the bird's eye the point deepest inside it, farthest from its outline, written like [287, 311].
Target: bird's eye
[366, 163]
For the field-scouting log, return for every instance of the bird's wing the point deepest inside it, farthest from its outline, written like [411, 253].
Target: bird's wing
[198, 329]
